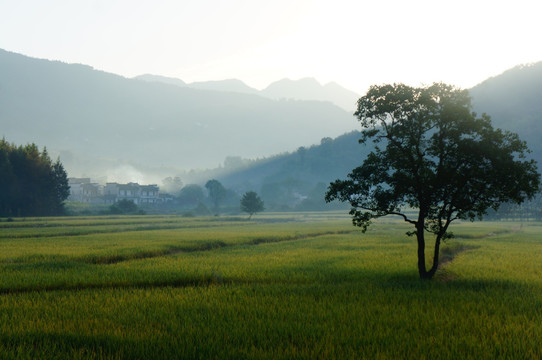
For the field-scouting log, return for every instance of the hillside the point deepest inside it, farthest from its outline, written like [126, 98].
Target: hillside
[299, 179]
[302, 89]
[513, 100]
[103, 124]
[99, 122]
[310, 89]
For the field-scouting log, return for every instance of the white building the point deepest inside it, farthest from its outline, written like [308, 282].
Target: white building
[81, 189]
[139, 194]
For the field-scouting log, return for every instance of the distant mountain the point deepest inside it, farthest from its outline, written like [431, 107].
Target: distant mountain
[161, 79]
[99, 121]
[232, 85]
[310, 89]
[303, 89]
[513, 99]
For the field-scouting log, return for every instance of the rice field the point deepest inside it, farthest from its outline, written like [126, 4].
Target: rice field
[281, 286]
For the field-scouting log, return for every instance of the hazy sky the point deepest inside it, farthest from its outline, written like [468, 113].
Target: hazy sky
[355, 43]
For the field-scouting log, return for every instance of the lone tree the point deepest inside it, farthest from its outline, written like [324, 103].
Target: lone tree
[251, 203]
[432, 154]
[217, 193]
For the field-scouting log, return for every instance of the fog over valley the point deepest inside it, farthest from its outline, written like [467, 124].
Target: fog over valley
[286, 179]
[112, 128]
[101, 123]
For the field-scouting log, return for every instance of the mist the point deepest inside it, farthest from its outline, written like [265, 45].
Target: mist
[102, 120]
[286, 140]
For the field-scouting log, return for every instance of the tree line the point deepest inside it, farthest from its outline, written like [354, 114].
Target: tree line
[31, 184]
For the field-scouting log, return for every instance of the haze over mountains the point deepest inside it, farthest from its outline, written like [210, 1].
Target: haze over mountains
[302, 89]
[513, 99]
[103, 124]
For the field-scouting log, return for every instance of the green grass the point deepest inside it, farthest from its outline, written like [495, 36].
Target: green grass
[291, 286]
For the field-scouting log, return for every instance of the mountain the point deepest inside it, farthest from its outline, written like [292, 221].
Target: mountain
[303, 89]
[310, 89]
[232, 85]
[99, 122]
[161, 79]
[513, 99]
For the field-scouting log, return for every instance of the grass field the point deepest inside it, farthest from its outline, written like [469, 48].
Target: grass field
[291, 286]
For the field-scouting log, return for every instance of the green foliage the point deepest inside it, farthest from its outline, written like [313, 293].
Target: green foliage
[191, 195]
[31, 184]
[251, 203]
[217, 193]
[124, 206]
[434, 155]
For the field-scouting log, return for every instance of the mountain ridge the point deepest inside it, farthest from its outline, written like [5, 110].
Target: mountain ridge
[302, 89]
[97, 121]
[511, 99]
[112, 122]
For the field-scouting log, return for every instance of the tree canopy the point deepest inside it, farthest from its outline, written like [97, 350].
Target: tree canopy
[432, 154]
[191, 195]
[31, 184]
[251, 203]
[217, 193]
[124, 206]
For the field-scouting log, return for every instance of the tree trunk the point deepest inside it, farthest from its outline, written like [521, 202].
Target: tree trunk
[421, 252]
[435, 257]
[424, 274]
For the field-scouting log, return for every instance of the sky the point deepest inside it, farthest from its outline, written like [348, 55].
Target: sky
[354, 43]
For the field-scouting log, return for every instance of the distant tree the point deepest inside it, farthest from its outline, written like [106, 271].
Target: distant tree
[191, 195]
[432, 154]
[124, 206]
[251, 203]
[61, 188]
[217, 193]
[30, 183]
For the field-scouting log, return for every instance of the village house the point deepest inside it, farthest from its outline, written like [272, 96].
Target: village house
[81, 189]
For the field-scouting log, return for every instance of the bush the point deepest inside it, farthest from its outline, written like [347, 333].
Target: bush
[125, 206]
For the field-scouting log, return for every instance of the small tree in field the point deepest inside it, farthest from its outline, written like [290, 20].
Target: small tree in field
[432, 154]
[251, 203]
